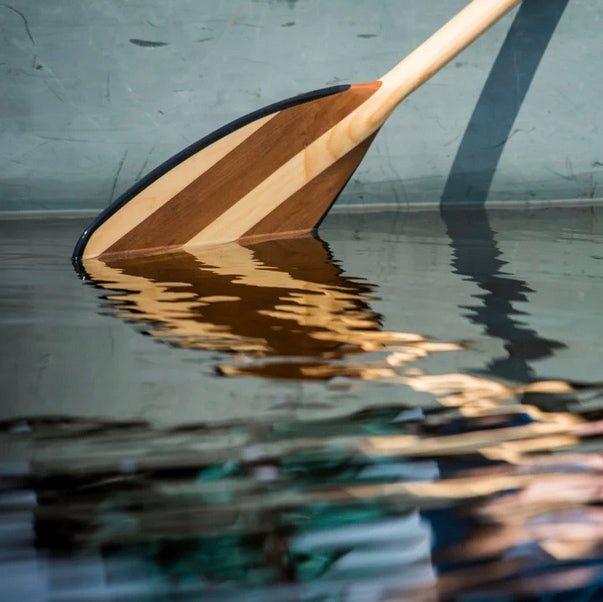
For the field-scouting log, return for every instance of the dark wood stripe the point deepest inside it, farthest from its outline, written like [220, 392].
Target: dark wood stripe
[185, 154]
[244, 168]
[302, 211]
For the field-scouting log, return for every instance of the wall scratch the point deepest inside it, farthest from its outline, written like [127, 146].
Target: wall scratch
[119, 167]
[144, 165]
[25, 22]
[148, 43]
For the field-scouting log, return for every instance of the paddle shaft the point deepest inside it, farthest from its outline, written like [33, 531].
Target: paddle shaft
[398, 83]
[426, 60]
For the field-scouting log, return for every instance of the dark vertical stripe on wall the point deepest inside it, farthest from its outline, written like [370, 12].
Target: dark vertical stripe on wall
[500, 102]
[475, 252]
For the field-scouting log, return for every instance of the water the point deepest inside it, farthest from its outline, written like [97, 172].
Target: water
[407, 409]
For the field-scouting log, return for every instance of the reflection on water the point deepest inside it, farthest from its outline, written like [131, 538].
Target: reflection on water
[283, 305]
[491, 492]
[307, 510]
[476, 256]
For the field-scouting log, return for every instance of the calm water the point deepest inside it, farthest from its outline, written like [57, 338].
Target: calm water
[407, 409]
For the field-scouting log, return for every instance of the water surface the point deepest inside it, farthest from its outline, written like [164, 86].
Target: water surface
[408, 408]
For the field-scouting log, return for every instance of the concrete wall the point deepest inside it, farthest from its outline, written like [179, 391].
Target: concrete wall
[94, 94]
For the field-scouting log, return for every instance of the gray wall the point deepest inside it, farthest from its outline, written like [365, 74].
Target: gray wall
[94, 94]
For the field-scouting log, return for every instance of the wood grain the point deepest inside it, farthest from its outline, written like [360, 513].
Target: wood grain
[304, 209]
[433, 54]
[201, 204]
[165, 188]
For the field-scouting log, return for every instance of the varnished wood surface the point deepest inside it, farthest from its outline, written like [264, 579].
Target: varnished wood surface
[162, 190]
[309, 204]
[226, 177]
[438, 50]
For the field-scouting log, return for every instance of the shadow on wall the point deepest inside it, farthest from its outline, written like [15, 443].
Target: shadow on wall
[500, 101]
[473, 241]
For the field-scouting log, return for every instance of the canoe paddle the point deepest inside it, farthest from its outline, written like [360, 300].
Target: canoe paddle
[277, 171]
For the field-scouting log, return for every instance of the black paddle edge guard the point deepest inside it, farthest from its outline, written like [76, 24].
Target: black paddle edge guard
[155, 174]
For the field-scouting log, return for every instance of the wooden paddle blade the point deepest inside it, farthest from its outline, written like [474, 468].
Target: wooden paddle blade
[252, 178]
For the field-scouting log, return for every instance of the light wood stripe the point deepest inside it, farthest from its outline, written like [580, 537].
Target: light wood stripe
[283, 183]
[303, 210]
[157, 194]
[254, 162]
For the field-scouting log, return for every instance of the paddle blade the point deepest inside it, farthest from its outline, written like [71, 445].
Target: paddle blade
[250, 179]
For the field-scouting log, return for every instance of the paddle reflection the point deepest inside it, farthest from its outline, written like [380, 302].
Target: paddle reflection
[284, 306]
